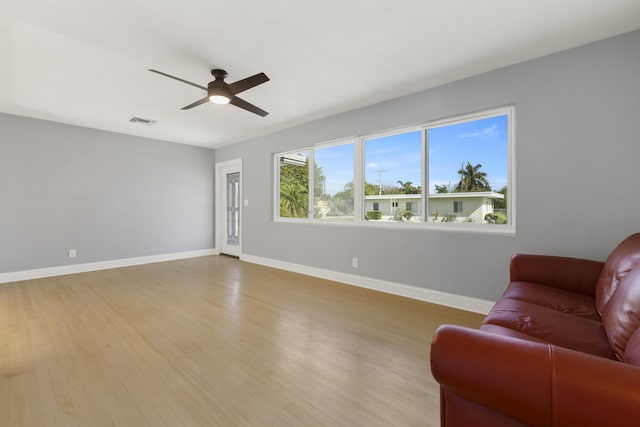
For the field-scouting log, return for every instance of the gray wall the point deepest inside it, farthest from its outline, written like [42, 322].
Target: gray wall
[108, 195]
[577, 151]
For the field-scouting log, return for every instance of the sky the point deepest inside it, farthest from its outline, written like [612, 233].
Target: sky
[477, 142]
[337, 165]
[398, 157]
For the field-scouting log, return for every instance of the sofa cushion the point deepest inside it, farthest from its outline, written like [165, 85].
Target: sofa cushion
[554, 298]
[507, 332]
[621, 314]
[551, 326]
[623, 258]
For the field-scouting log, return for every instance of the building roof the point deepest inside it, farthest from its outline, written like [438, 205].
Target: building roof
[487, 194]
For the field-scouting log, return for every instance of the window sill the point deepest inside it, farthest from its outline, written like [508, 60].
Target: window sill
[405, 225]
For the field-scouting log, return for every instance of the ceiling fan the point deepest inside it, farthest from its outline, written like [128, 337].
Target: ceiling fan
[221, 92]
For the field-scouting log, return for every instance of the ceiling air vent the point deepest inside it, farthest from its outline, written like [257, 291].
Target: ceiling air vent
[142, 121]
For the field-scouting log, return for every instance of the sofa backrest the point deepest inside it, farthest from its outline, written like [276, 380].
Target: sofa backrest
[632, 352]
[623, 258]
[621, 317]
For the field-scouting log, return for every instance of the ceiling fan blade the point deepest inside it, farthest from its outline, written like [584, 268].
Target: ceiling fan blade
[178, 79]
[248, 83]
[247, 106]
[195, 104]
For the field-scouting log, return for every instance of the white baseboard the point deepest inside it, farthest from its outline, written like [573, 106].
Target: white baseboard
[462, 302]
[100, 265]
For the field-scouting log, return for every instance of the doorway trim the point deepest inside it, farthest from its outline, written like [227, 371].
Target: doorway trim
[220, 201]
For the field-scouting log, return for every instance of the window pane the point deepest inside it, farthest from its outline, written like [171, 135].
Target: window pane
[469, 161]
[294, 185]
[333, 182]
[393, 177]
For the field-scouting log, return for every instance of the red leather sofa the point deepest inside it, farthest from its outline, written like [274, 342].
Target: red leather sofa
[560, 348]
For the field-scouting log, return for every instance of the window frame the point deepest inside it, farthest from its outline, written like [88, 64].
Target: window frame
[359, 178]
[311, 180]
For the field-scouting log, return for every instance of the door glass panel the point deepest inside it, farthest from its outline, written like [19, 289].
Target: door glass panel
[233, 208]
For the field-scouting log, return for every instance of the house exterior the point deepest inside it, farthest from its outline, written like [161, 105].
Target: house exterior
[445, 207]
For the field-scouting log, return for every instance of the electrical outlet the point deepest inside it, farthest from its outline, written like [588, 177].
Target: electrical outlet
[354, 263]
[72, 253]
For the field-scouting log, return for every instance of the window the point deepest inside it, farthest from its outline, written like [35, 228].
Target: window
[329, 184]
[393, 169]
[457, 170]
[469, 158]
[333, 184]
[294, 185]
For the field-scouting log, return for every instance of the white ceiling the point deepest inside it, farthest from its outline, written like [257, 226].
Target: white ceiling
[85, 62]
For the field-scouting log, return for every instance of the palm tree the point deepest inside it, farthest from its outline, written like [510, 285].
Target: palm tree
[294, 200]
[408, 187]
[294, 190]
[471, 179]
[442, 188]
[371, 189]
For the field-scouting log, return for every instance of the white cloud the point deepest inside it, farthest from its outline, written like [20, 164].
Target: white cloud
[487, 133]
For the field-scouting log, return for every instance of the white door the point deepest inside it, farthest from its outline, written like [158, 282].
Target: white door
[229, 201]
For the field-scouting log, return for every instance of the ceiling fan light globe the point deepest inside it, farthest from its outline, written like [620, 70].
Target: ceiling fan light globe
[219, 99]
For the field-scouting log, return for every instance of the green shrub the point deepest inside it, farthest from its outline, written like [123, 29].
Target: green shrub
[495, 218]
[401, 215]
[373, 215]
[449, 218]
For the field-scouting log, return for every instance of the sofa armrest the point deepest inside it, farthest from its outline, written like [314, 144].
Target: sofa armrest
[571, 274]
[537, 384]
[507, 375]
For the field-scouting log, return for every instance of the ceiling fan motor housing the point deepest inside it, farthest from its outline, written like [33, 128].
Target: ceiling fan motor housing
[219, 74]
[219, 87]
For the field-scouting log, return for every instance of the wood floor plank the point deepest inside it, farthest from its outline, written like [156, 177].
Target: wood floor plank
[214, 341]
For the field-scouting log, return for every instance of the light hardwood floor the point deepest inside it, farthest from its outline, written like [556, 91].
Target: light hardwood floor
[214, 341]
